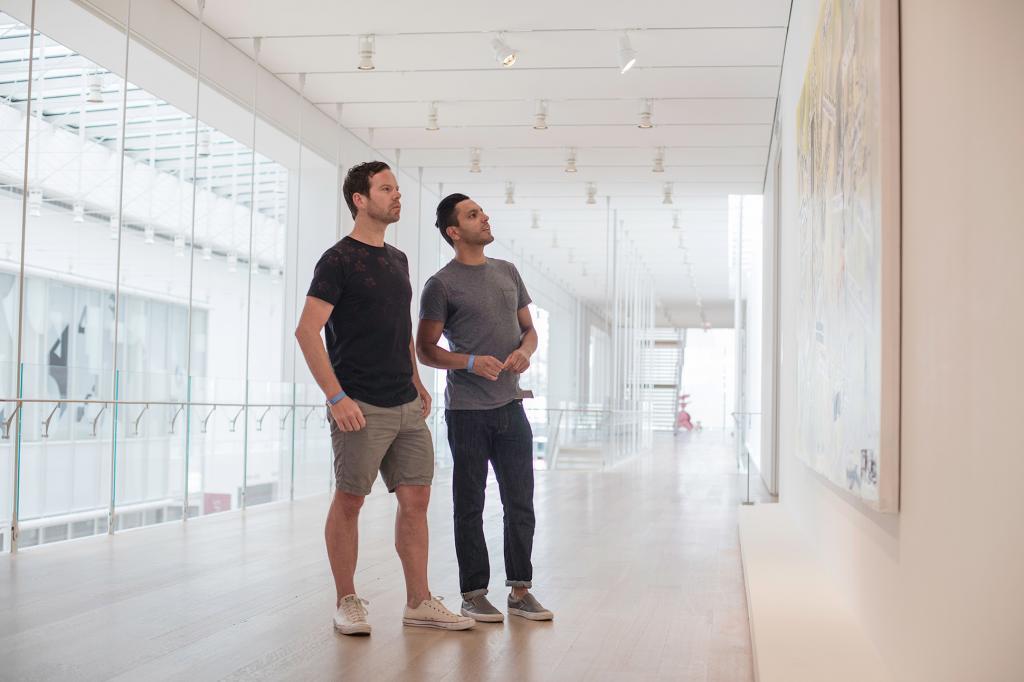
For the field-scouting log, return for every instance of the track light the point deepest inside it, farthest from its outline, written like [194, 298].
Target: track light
[94, 89]
[591, 193]
[207, 253]
[667, 198]
[114, 226]
[570, 259]
[505, 55]
[179, 245]
[232, 262]
[659, 161]
[627, 55]
[510, 193]
[570, 162]
[675, 220]
[149, 235]
[474, 160]
[536, 221]
[432, 117]
[78, 212]
[645, 115]
[540, 119]
[554, 241]
[366, 49]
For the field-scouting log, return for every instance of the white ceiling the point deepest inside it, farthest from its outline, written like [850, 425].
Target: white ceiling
[711, 68]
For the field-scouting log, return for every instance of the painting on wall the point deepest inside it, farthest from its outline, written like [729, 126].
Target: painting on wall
[848, 201]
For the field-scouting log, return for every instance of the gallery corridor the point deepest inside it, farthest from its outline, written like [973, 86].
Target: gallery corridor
[640, 563]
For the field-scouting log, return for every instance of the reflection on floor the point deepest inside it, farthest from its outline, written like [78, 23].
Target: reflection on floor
[640, 563]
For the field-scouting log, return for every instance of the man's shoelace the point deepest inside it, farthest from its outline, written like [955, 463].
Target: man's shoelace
[355, 609]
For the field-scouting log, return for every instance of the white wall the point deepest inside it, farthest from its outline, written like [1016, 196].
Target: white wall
[939, 588]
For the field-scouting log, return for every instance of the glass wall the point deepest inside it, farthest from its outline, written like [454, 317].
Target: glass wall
[159, 223]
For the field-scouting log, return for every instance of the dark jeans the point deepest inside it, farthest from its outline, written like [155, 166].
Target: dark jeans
[503, 437]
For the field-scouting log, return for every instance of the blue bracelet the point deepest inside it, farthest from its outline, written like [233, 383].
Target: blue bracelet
[472, 359]
[336, 399]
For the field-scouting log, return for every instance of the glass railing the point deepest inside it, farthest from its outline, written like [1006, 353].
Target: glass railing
[141, 452]
[152, 448]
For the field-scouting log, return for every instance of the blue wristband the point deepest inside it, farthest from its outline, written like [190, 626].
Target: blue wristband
[336, 399]
[472, 359]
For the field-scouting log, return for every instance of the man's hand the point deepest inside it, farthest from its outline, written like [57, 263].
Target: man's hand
[347, 415]
[517, 362]
[425, 399]
[488, 367]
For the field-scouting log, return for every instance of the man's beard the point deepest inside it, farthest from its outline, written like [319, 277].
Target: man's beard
[382, 216]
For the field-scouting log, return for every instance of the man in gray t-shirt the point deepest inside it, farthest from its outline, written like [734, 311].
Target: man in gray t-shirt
[480, 305]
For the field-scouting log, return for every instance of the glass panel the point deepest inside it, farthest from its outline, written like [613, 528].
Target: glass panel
[74, 162]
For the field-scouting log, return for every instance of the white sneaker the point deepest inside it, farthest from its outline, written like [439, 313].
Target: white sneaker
[431, 613]
[351, 616]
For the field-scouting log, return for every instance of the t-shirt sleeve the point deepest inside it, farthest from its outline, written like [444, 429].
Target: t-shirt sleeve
[524, 295]
[434, 301]
[328, 278]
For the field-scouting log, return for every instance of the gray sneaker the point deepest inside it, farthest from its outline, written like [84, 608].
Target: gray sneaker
[478, 608]
[528, 607]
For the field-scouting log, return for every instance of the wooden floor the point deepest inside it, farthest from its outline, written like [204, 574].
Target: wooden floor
[640, 564]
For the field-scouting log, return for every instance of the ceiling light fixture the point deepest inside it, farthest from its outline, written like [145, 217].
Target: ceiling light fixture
[232, 262]
[114, 226]
[675, 220]
[591, 193]
[570, 162]
[659, 161]
[432, 117]
[627, 55]
[645, 115]
[505, 55]
[510, 193]
[540, 119]
[474, 160]
[536, 221]
[366, 50]
[149, 235]
[94, 89]
[78, 211]
[207, 253]
[179, 245]
[667, 198]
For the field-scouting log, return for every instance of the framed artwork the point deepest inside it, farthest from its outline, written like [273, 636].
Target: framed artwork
[848, 179]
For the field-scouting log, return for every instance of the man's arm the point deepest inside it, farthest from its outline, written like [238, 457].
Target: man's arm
[432, 355]
[425, 398]
[314, 316]
[519, 360]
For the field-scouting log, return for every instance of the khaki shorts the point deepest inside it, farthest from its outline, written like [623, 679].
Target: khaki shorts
[395, 441]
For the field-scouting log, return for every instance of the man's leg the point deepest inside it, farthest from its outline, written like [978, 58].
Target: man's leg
[470, 445]
[342, 535]
[412, 540]
[513, 467]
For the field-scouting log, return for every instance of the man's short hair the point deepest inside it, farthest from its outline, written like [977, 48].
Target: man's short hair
[446, 215]
[357, 180]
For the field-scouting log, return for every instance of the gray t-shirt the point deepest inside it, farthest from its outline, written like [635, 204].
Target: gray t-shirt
[478, 305]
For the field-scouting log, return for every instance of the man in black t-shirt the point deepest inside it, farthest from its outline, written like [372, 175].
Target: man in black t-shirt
[360, 296]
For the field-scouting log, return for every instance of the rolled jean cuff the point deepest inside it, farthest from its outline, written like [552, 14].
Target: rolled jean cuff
[474, 593]
[519, 583]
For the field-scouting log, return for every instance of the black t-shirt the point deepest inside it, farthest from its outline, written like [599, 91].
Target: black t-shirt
[369, 330]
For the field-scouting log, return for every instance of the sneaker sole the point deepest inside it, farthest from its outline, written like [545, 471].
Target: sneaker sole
[352, 630]
[483, 617]
[441, 625]
[530, 615]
